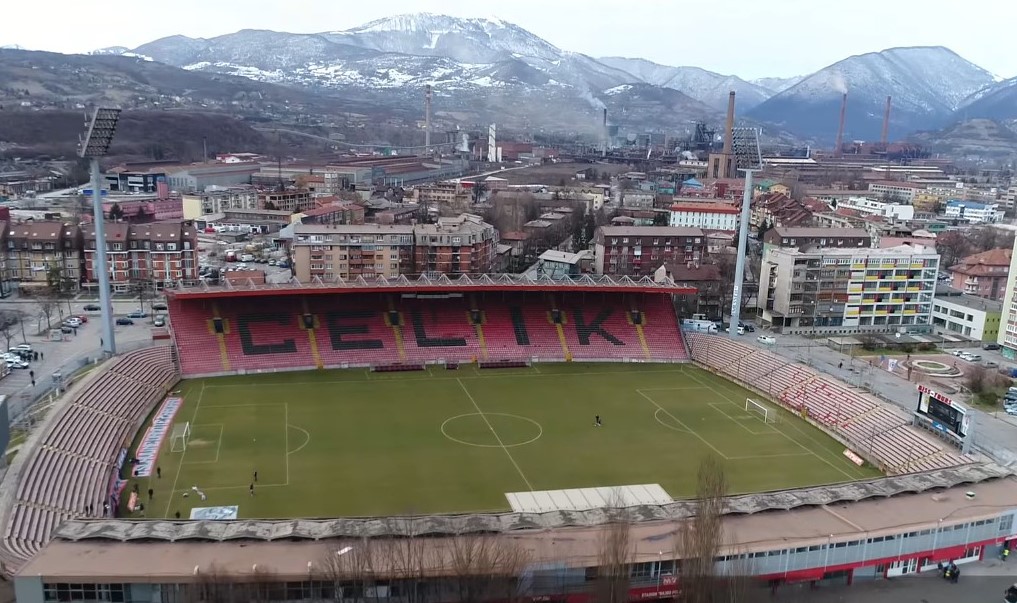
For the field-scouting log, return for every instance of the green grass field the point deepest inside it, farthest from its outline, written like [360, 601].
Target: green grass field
[343, 443]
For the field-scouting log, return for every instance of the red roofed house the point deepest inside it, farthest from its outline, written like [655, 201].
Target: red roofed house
[708, 216]
[777, 209]
[983, 274]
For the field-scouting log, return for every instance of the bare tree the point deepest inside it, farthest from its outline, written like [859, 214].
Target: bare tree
[615, 555]
[976, 378]
[350, 568]
[702, 535]
[412, 558]
[48, 307]
[9, 321]
[485, 566]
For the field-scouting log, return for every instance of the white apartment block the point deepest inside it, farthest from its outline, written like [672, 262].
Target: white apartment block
[967, 315]
[708, 216]
[843, 291]
[898, 192]
[973, 212]
[1007, 338]
[894, 211]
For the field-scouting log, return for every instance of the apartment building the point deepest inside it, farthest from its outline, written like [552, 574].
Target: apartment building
[155, 255]
[460, 245]
[973, 212]
[958, 313]
[838, 291]
[778, 209]
[5, 277]
[44, 254]
[983, 274]
[640, 250]
[218, 201]
[896, 192]
[708, 216]
[883, 209]
[289, 200]
[811, 238]
[1007, 338]
[334, 213]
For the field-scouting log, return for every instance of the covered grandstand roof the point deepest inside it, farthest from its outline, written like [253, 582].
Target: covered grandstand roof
[316, 529]
[482, 282]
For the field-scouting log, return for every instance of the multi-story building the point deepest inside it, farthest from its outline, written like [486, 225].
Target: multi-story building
[218, 200]
[895, 192]
[134, 181]
[198, 177]
[289, 200]
[811, 238]
[871, 207]
[1008, 322]
[778, 209]
[849, 290]
[5, 277]
[961, 314]
[155, 255]
[983, 274]
[641, 250]
[973, 212]
[350, 251]
[461, 245]
[708, 216]
[43, 254]
[334, 213]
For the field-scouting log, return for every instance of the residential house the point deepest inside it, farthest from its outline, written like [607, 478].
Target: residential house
[44, 254]
[640, 250]
[811, 238]
[777, 209]
[983, 274]
[708, 216]
[710, 290]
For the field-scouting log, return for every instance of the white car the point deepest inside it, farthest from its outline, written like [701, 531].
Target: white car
[957, 352]
[767, 339]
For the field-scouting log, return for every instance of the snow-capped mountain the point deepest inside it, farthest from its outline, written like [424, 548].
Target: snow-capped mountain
[996, 101]
[777, 84]
[705, 86]
[927, 84]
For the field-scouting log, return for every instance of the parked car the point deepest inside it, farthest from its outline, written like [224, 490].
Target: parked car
[72, 322]
[124, 321]
[767, 339]
[13, 363]
[748, 328]
[741, 330]
[957, 353]
[92, 308]
[990, 346]
[991, 364]
[23, 346]
[971, 357]
[160, 321]
[82, 318]
[137, 314]
[159, 306]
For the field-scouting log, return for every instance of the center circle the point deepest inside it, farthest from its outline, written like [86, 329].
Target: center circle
[491, 430]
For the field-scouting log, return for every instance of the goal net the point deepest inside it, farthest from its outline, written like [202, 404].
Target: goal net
[179, 437]
[764, 412]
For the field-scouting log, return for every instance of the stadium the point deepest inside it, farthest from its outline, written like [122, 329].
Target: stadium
[473, 438]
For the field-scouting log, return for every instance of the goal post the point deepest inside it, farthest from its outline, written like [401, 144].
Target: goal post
[763, 411]
[180, 437]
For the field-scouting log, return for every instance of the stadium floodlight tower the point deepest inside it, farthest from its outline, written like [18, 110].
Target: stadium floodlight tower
[749, 160]
[95, 145]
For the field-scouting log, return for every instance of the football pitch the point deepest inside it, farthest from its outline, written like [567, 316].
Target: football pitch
[356, 443]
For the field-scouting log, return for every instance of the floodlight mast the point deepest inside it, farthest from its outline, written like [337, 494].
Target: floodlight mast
[749, 160]
[95, 145]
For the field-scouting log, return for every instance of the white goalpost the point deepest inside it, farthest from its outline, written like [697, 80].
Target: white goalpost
[764, 412]
[180, 436]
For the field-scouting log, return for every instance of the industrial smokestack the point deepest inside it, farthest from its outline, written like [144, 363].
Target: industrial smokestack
[729, 124]
[603, 149]
[884, 138]
[427, 119]
[840, 129]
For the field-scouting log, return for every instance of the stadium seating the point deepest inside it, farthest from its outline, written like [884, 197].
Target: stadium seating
[881, 432]
[72, 465]
[275, 332]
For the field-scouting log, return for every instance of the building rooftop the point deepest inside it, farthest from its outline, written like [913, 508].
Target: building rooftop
[956, 296]
[862, 251]
[650, 231]
[564, 257]
[706, 206]
[983, 264]
[807, 232]
[373, 228]
[115, 231]
[970, 204]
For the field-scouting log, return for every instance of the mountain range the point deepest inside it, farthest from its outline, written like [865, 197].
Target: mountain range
[490, 70]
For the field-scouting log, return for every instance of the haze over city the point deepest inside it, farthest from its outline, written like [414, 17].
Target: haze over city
[747, 38]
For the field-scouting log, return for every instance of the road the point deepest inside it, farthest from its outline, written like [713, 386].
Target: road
[996, 432]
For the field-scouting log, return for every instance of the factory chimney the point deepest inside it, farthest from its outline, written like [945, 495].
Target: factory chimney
[603, 150]
[729, 124]
[427, 119]
[884, 138]
[837, 152]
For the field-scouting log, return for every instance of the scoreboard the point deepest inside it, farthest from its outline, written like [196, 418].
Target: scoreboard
[944, 413]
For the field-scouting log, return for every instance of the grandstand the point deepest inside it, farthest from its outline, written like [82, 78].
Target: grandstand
[72, 465]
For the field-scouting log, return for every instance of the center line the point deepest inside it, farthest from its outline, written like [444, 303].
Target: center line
[495, 434]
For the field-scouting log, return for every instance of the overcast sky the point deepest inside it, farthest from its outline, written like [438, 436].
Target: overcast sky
[749, 38]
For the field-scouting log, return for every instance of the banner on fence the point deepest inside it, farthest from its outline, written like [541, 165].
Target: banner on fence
[854, 458]
[148, 449]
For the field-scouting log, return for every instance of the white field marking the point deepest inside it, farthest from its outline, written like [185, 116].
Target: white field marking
[246, 405]
[769, 456]
[286, 438]
[495, 434]
[669, 389]
[247, 487]
[180, 466]
[306, 442]
[770, 429]
[540, 430]
[501, 376]
[218, 448]
[533, 365]
[656, 415]
[789, 438]
[682, 423]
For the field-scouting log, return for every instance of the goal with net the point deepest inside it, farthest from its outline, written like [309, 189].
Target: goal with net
[764, 412]
[180, 436]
